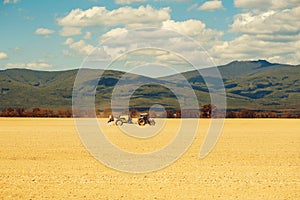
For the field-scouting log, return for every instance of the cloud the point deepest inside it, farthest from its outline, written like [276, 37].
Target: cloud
[30, 65]
[15, 65]
[184, 1]
[189, 27]
[43, 31]
[98, 54]
[94, 56]
[3, 55]
[273, 23]
[17, 49]
[170, 59]
[148, 57]
[126, 16]
[113, 33]
[266, 4]
[251, 4]
[87, 35]
[129, 1]
[211, 5]
[195, 29]
[68, 41]
[266, 33]
[10, 1]
[163, 39]
[70, 31]
[268, 30]
[192, 7]
[249, 47]
[80, 47]
[38, 65]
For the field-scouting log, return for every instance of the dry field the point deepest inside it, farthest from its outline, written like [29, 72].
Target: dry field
[254, 159]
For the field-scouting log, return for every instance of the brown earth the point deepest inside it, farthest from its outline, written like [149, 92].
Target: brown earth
[254, 159]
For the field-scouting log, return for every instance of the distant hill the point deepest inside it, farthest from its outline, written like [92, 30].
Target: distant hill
[258, 85]
[255, 85]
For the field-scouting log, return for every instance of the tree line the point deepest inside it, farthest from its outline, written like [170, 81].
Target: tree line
[35, 112]
[206, 111]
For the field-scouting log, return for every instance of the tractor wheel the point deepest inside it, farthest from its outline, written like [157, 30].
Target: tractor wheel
[152, 122]
[119, 123]
[141, 122]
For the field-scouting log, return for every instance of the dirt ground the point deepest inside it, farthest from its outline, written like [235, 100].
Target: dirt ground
[254, 159]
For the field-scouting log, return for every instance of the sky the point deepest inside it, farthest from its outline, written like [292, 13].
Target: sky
[61, 35]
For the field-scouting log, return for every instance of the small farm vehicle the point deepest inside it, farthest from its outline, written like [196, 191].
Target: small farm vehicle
[123, 119]
[145, 119]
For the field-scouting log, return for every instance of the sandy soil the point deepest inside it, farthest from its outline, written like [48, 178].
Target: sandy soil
[254, 159]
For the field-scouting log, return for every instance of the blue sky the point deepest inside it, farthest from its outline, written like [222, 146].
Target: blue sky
[44, 35]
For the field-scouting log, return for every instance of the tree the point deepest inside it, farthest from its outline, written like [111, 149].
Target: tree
[36, 112]
[107, 112]
[170, 114]
[63, 113]
[272, 115]
[190, 114]
[287, 114]
[20, 112]
[231, 114]
[8, 112]
[134, 113]
[178, 114]
[208, 110]
[28, 113]
[247, 114]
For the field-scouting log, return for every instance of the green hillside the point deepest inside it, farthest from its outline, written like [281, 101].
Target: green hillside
[255, 85]
[29, 89]
[262, 85]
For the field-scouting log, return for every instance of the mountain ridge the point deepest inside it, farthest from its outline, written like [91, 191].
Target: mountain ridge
[256, 85]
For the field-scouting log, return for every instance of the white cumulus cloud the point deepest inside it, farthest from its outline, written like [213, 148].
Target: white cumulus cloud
[15, 65]
[113, 33]
[43, 31]
[10, 1]
[211, 5]
[264, 30]
[195, 29]
[163, 39]
[30, 65]
[70, 31]
[129, 1]
[38, 65]
[266, 4]
[267, 29]
[272, 23]
[249, 47]
[126, 16]
[189, 27]
[80, 47]
[3, 55]
[87, 35]
[68, 41]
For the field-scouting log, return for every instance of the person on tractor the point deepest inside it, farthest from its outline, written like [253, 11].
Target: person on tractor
[110, 118]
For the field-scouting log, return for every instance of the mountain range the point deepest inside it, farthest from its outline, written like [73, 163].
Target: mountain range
[253, 85]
